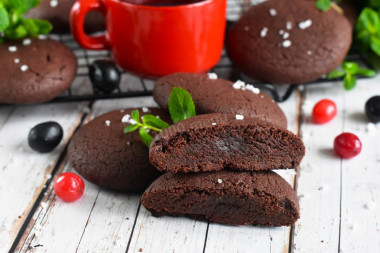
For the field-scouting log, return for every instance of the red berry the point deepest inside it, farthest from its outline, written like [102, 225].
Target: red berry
[324, 111]
[69, 187]
[347, 145]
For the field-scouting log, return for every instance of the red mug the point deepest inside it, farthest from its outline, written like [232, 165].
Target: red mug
[155, 38]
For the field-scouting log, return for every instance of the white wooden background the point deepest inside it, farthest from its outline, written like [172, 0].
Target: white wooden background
[339, 199]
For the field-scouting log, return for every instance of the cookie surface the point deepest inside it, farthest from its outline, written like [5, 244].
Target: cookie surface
[58, 13]
[289, 41]
[235, 198]
[104, 155]
[213, 142]
[220, 96]
[35, 70]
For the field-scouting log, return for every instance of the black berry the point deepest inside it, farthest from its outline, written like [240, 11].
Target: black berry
[45, 137]
[104, 75]
[372, 109]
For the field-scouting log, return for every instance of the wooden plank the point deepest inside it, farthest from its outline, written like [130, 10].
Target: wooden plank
[319, 180]
[101, 221]
[222, 238]
[24, 171]
[360, 216]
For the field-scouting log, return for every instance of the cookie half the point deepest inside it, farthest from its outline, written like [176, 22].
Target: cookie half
[213, 142]
[289, 41]
[104, 155]
[212, 95]
[226, 197]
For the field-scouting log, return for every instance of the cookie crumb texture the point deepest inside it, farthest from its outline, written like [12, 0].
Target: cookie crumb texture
[257, 198]
[36, 72]
[104, 155]
[219, 96]
[284, 60]
[195, 145]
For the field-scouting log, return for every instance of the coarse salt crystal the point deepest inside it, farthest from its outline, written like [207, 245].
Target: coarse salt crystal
[212, 76]
[238, 84]
[127, 119]
[285, 36]
[12, 48]
[286, 43]
[53, 3]
[27, 42]
[289, 25]
[145, 109]
[239, 117]
[309, 52]
[214, 124]
[220, 181]
[281, 32]
[107, 122]
[42, 37]
[17, 60]
[305, 24]
[24, 68]
[272, 12]
[264, 32]
[252, 88]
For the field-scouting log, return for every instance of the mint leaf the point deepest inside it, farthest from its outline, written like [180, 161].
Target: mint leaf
[336, 74]
[16, 33]
[366, 72]
[135, 115]
[151, 120]
[22, 6]
[30, 26]
[349, 82]
[350, 67]
[181, 105]
[4, 18]
[375, 44]
[44, 27]
[367, 27]
[131, 128]
[145, 137]
[323, 5]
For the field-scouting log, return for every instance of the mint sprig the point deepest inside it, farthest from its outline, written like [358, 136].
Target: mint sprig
[181, 106]
[367, 31]
[323, 5]
[349, 72]
[14, 26]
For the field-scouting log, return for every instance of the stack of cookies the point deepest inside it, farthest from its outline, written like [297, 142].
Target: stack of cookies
[218, 166]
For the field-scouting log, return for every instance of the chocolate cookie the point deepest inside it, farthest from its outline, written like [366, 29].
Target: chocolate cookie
[34, 70]
[235, 198]
[104, 155]
[289, 41]
[212, 95]
[213, 142]
[58, 13]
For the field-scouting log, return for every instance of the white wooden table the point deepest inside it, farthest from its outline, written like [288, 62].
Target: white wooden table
[339, 199]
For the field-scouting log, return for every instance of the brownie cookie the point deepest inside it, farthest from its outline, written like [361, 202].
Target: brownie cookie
[58, 13]
[235, 198]
[289, 41]
[213, 142]
[214, 95]
[104, 155]
[34, 70]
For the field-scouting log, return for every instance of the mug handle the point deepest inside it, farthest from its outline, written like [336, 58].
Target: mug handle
[77, 16]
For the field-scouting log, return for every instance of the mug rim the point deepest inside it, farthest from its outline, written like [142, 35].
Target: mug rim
[144, 6]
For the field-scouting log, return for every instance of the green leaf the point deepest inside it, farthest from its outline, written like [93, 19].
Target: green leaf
[22, 6]
[135, 115]
[375, 45]
[130, 128]
[151, 120]
[30, 26]
[181, 105]
[366, 72]
[369, 20]
[349, 82]
[145, 137]
[44, 27]
[4, 18]
[15, 34]
[350, 67]
[323, 5]
[336, 74]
